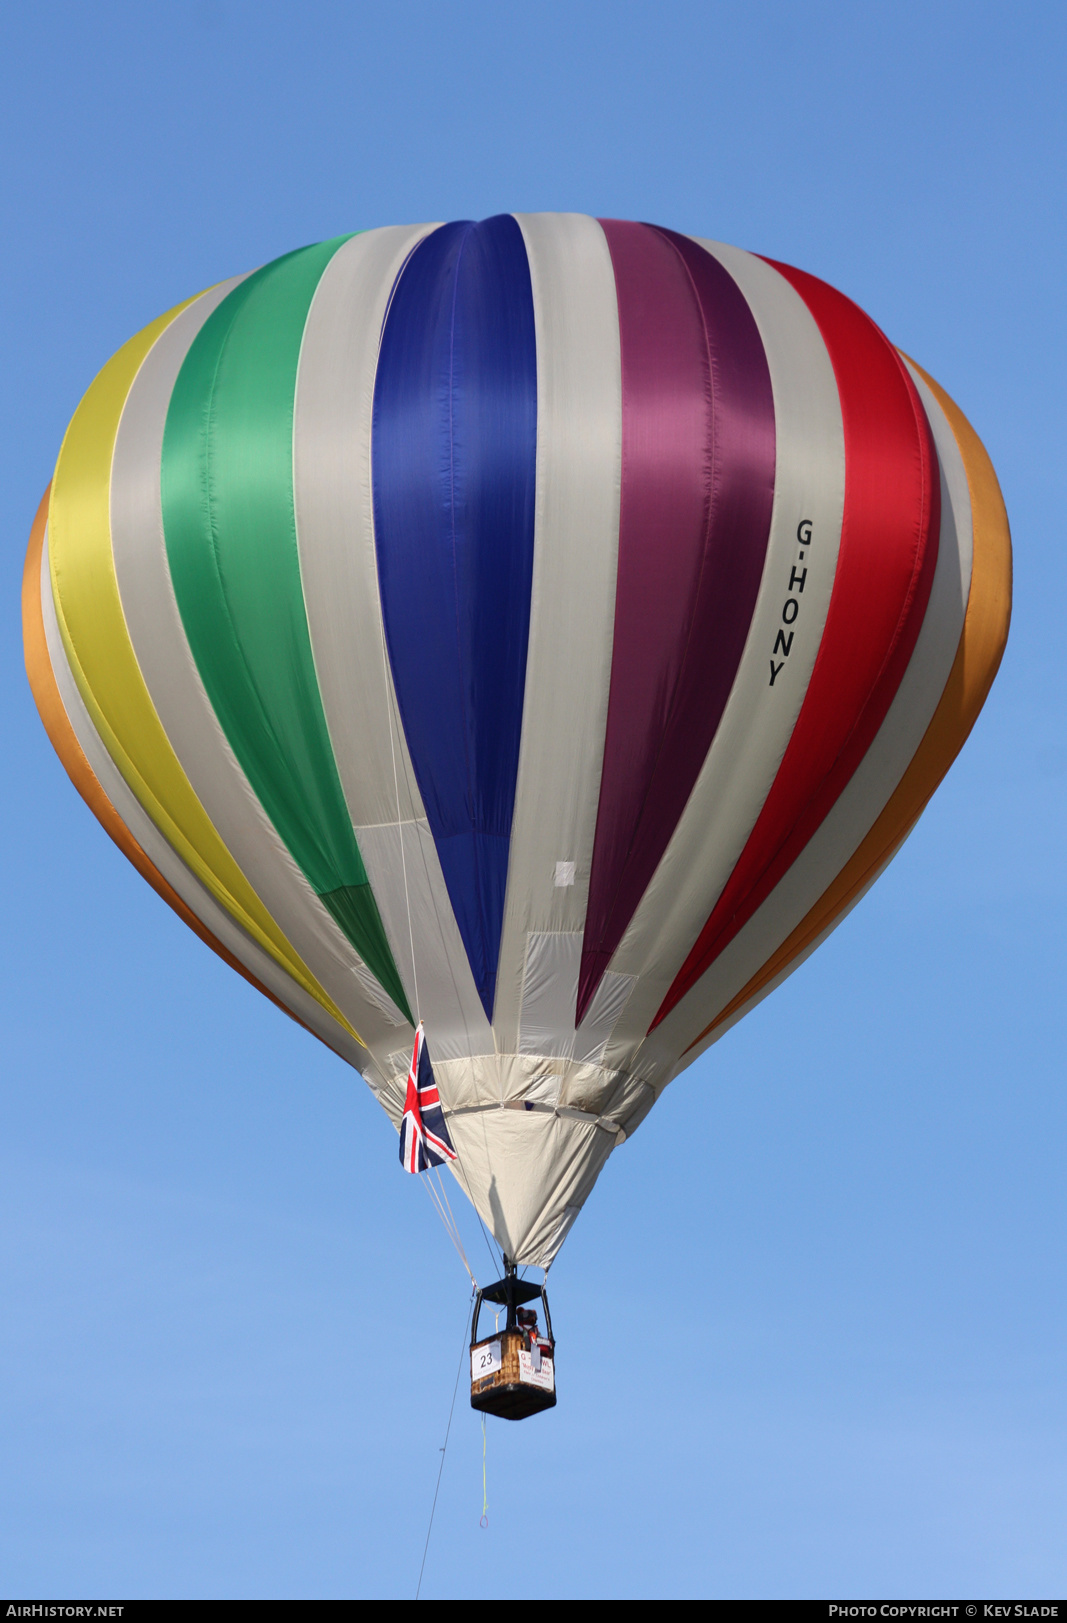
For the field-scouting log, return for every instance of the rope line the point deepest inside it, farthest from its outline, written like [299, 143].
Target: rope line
[448, 1428]
[483, 1520]
[488, 1242]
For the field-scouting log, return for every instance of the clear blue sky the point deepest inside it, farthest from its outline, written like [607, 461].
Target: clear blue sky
[812, 1322]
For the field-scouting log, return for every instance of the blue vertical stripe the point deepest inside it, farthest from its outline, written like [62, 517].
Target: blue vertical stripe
[454, 458]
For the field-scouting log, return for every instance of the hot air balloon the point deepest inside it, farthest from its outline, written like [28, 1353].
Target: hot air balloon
[545, 629]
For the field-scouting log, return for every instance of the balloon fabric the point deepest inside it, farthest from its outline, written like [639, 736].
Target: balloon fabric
[545, 628]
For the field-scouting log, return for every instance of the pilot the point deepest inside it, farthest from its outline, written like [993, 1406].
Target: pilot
[527, 1319]
[532, 1341]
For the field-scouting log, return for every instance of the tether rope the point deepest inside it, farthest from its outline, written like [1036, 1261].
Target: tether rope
[448, 1428]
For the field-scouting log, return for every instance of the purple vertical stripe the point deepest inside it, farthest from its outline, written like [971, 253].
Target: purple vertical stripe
[698, 450]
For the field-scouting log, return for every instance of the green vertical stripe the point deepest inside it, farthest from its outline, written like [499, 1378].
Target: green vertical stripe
[230, 528]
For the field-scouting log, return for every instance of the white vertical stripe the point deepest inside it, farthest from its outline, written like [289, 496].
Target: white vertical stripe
[549, 994]
[332, 444]
[572, 611]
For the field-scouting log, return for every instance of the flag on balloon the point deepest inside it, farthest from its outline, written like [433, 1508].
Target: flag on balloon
[424, 1140]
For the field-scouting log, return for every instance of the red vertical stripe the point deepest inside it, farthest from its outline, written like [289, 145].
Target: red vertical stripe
[885, 568]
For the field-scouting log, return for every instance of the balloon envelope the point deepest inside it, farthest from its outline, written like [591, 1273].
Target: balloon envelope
[545, 627]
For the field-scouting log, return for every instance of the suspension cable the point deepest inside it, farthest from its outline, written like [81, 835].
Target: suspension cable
[451, 1227]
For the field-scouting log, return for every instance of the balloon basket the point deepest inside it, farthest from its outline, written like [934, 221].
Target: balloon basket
[513, 1371]
[513, 1388]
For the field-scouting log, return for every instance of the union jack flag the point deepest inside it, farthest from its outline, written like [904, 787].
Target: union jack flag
[424, 1140]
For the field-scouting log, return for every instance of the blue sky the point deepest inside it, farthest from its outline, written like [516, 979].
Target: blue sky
[811, 1323]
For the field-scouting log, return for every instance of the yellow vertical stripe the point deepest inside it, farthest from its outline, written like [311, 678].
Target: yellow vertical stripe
[104, 665]
[981, 645]
[65, 743]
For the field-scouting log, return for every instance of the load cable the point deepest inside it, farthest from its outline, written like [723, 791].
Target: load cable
[444, 1212]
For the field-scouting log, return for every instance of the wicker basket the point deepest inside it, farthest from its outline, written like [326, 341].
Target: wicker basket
[512, 1386]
